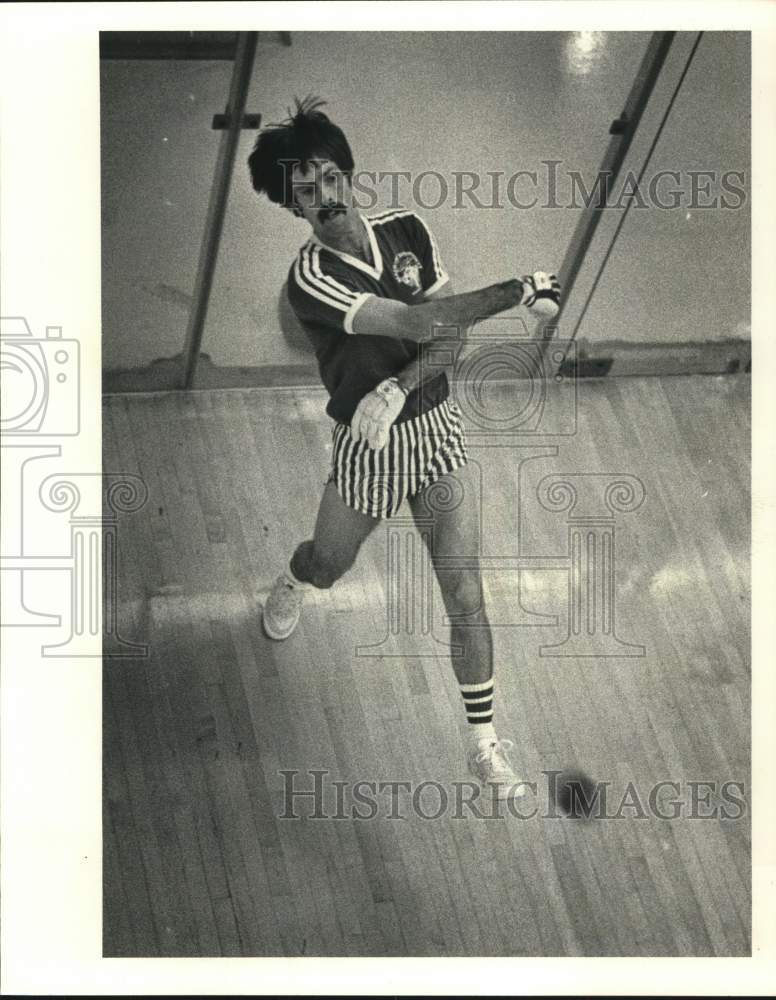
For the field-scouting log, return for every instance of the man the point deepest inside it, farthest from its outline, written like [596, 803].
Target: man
[369, 293]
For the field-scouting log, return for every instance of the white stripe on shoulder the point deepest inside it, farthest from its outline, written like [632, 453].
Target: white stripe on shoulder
[378, 220]
[337, 288]
[310, 286]
[311, 280]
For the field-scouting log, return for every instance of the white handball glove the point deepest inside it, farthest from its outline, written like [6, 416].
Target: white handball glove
[541, 293]
[376, 413]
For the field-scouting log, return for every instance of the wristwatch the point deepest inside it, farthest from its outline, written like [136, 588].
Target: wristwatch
[389, 387]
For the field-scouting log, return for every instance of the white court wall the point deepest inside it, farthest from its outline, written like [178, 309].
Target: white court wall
[415, 102]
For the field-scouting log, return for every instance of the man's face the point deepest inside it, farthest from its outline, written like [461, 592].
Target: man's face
[323, 195]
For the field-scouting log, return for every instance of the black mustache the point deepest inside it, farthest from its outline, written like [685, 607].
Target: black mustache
[329, 210]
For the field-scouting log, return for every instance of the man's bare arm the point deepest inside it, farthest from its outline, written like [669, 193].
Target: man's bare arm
[422, 370]
[380, 317]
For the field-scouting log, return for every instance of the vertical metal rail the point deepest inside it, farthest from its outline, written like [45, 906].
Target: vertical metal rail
[208, 254]
[622, 131]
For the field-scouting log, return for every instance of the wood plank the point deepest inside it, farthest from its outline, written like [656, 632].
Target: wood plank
[198, 860]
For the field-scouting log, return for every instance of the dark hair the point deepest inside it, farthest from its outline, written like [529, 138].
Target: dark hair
[308, 134]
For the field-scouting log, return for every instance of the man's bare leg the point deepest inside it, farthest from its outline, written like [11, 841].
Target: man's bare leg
[318, 562]
[456, 538]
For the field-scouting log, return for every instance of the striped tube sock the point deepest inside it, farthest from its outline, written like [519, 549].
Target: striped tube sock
[478, 702]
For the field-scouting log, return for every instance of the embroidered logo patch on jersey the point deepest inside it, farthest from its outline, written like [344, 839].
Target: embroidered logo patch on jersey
[406, 269]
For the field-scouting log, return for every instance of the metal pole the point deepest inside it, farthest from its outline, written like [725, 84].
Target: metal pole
[208, 254]
[622, 131]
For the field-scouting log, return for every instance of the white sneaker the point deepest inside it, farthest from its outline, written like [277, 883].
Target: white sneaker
[490, 766]
[282, 607]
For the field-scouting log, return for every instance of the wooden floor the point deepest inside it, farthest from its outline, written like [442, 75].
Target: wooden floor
[197, 859]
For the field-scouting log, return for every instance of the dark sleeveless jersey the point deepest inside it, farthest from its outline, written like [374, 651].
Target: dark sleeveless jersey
[326, 288]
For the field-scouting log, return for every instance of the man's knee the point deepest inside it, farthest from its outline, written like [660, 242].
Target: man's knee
[326, 568]
[462, 591]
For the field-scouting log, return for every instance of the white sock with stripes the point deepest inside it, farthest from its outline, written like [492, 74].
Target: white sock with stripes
[478, 702]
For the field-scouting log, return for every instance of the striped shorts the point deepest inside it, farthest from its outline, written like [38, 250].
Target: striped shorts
[419, 451]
